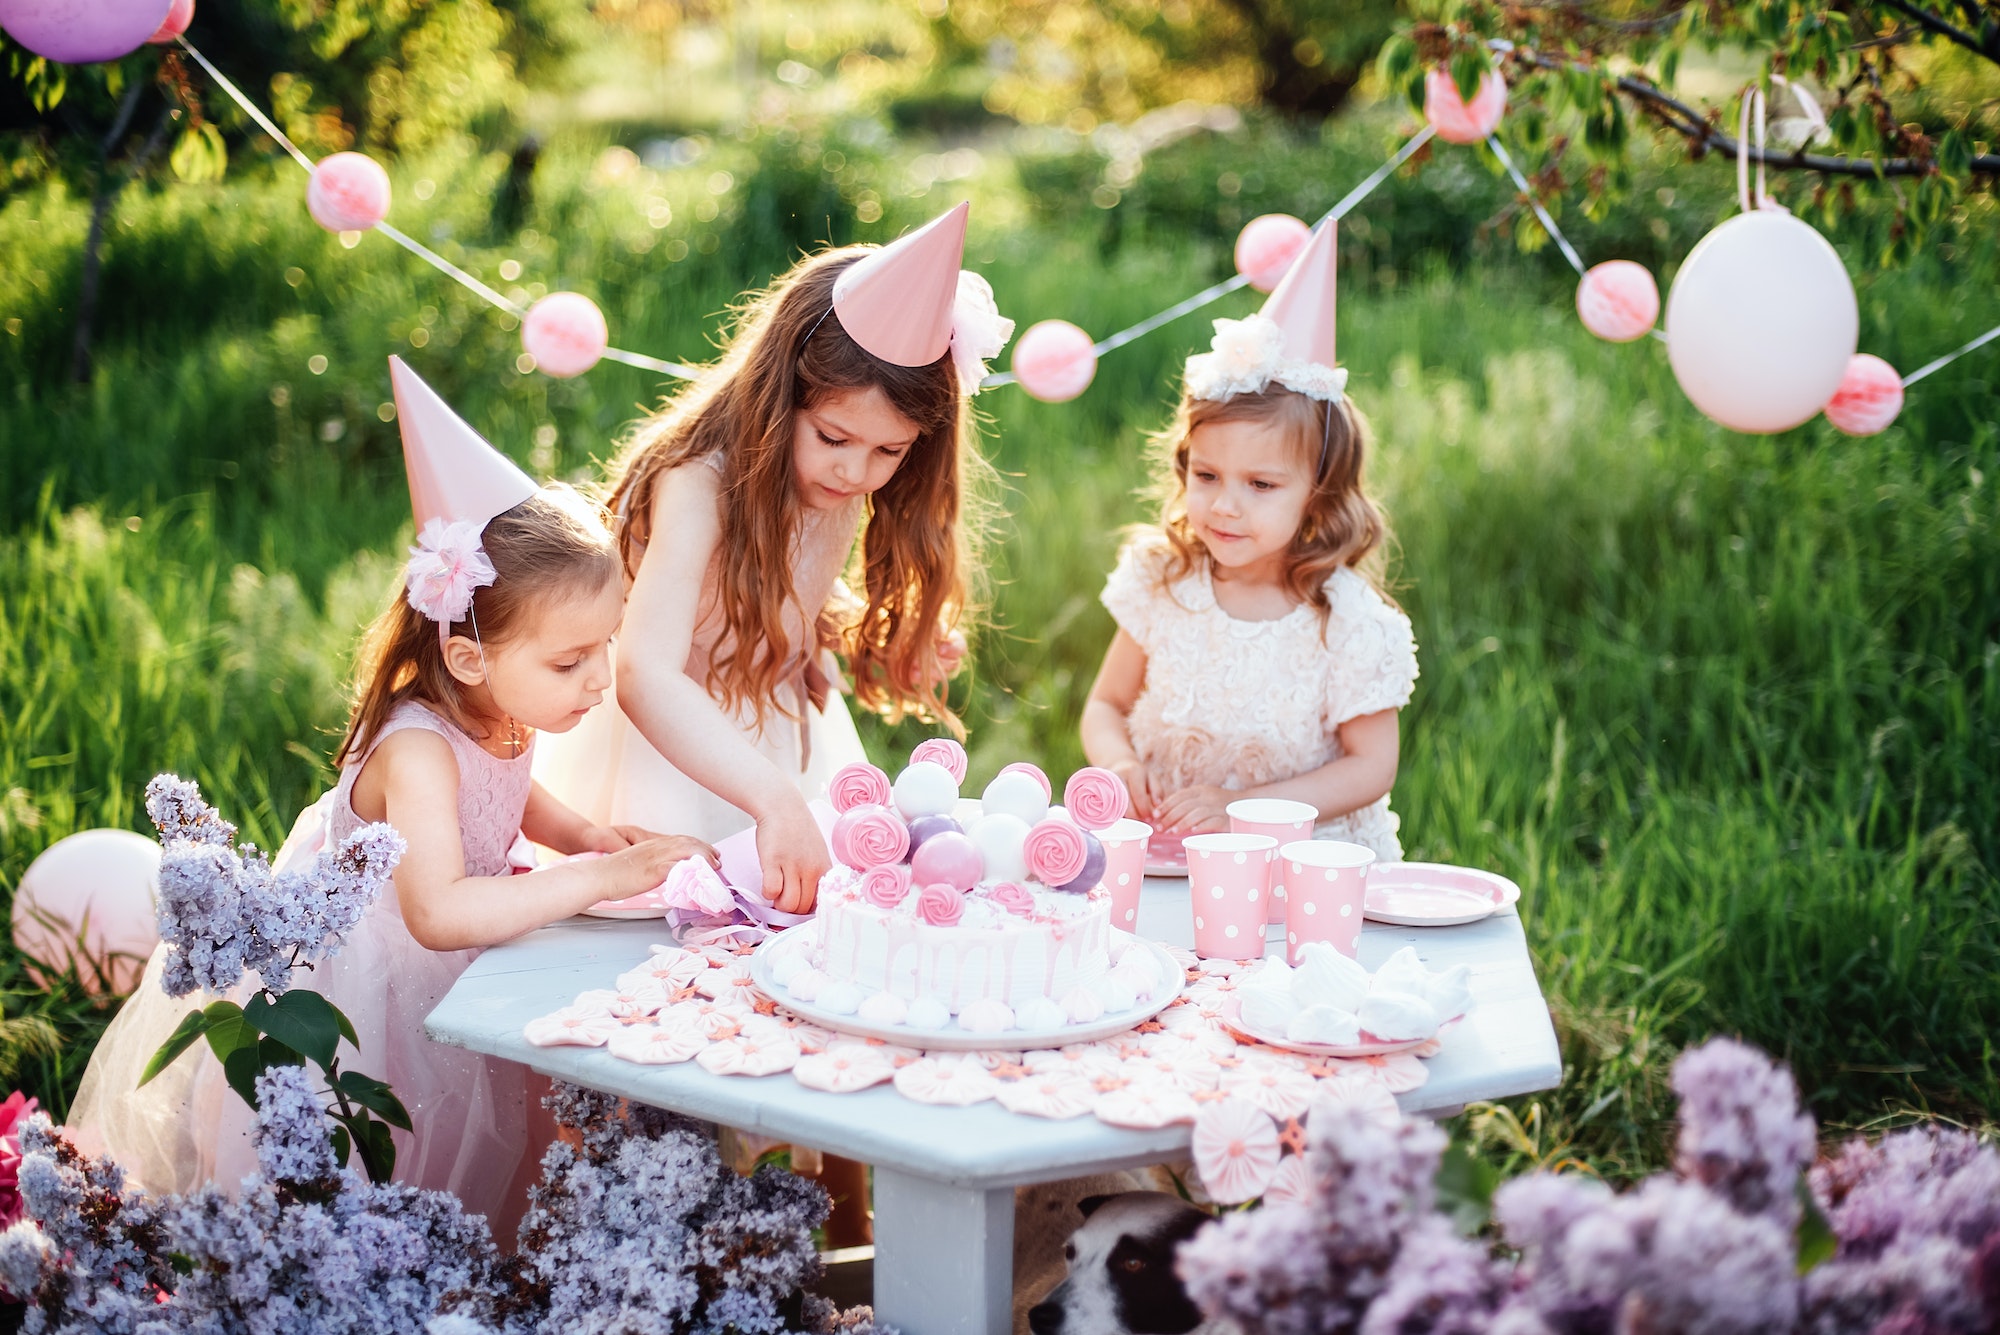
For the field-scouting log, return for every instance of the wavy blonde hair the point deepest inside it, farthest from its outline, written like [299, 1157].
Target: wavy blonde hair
[1342, 526]
[784, 353]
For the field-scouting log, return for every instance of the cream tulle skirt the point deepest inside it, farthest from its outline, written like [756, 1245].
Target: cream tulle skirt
[187, 1127]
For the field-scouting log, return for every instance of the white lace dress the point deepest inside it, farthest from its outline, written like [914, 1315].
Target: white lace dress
[1242, 703]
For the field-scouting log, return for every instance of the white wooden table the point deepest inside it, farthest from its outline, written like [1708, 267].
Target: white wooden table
[945, 1177]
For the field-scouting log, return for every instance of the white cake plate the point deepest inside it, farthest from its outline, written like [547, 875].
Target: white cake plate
[1368, 1047]
[955, 1039]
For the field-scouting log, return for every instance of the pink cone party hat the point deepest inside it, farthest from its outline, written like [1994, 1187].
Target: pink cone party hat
[455, 476]
[897, 302]
[1289, 343]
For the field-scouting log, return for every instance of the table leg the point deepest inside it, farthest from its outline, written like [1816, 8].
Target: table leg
[944, 1256]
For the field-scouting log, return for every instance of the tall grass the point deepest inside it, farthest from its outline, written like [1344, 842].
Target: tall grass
[1725, 706]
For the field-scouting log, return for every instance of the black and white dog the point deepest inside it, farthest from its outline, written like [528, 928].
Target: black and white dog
[1121, 1278]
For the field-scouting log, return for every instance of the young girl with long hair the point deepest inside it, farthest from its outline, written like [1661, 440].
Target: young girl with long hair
[1256, 652]
[499, 634]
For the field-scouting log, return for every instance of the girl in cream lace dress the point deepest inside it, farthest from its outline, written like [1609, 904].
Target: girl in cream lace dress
[1256, 654]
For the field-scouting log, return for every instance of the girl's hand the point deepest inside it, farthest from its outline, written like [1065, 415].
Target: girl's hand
[1138, 786]
[794, 857]
[641, 866]
[1201, 809]
[951, 653]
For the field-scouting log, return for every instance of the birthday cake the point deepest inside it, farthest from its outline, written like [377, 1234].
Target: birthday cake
[986, 915]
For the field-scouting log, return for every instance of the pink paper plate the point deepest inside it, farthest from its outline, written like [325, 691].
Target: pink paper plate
[1165, 855]
[1435, 894]
[1369, 1046]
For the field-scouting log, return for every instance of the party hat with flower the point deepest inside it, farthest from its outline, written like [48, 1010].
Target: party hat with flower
[1289, 343]
[910, 302]
[458, 483]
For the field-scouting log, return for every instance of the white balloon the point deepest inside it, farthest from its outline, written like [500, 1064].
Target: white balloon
[1761, 322]
[1001, 839]
[98, 882]
[1015, 794]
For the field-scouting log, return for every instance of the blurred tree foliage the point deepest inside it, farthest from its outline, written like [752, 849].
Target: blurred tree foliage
[1898, 96]
[1044, 61]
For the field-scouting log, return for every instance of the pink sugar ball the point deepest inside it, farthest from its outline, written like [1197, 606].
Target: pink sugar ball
[1055, 361]
[1457, 121]
[1618, 301]
[179, 15]
[1266, 247]
[349, 193]
[565, 333]
[951, 858]
[1869, 397]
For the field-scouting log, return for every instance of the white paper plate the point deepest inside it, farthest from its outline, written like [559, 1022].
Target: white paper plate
[1374, 1047]
[955, 1039]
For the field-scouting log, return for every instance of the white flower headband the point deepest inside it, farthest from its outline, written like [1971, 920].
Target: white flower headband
[978, 330]
[1248, 355]
[445, 566]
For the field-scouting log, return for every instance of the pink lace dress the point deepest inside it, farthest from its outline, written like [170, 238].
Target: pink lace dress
[606, 770]
[187, 1127]
[1241, 703]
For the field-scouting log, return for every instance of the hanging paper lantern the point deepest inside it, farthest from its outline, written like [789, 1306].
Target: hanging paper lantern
[1266, 247]
[1761, 322]
[78, 32]
[349, 192]
[1618, 301]
[565, 333]
[179, 15]
[1869, 397]
[1055, 361]
[97, 884]
[1456, 120]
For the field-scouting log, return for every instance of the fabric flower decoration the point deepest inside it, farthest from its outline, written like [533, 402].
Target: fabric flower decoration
[692, 884]
[1246, 356]
[978, 330]
[1235, 1149]
[445, 566]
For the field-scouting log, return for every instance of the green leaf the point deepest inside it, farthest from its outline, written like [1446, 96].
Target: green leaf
[1816, 1240]
[378, 1152]
[242, 1067]
[228, 1030]
[1468, 67]
[200, 156]
[375, 1096]
[302, 1020]
[192, 1026]
[1465, 1186]
[342, 1143]
[346, 1026]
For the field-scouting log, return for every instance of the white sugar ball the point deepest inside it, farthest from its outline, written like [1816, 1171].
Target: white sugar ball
[1001, 840]
[925, 789]
[1016, 795]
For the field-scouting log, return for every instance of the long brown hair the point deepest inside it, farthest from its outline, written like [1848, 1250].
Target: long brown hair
[554, 545]
[784, 354]
[1342, 526]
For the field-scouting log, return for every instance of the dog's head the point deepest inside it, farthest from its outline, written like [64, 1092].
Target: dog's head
[1121, 1277]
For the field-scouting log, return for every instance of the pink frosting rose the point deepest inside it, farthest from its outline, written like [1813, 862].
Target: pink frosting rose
[870, 836]
[885, 887]
[1055, 851]
[942, 751]
[858, 785]
[1096, 797]
[1015, 899]
[940, 905]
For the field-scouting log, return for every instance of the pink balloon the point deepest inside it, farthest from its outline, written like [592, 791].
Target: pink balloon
[1055, 361]
[1618, 301]
[179, 15]
[1266, 247]
[1869, 397]
[1456, 121]
[565, 333]
[349, 192]
[78, 32]
[98, 883]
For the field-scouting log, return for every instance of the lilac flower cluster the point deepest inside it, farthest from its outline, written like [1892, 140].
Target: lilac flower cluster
[224, 912]
[292, 1140]
[1709, 1250]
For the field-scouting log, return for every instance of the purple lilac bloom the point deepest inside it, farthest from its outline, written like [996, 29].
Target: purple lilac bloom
[294, 1143]
[179, 814]
[1742, 1134]
[1441, 1284]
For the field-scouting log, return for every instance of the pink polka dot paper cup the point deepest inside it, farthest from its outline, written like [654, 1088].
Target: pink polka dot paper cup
[1282, 819]
[1125, 869]
[1326, 882]
[1229, 880]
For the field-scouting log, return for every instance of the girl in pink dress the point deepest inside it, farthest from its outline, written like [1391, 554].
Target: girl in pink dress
[1256, 653]
[502, 632]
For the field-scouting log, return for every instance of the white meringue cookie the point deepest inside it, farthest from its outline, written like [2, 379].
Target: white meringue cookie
[1325, 977]
[1082, 1005]
[840, 998]
[927, 1013]
[1115, 993]
[1450, 992]
[1040, 1013]
[808, 984]
[1268, 1010]
[787, 968]
[1324, 1024]
[1136, 969]
[1272, 973]
[883, 1008]
[986, 1016]
[1401, 972]
[1397, 1016]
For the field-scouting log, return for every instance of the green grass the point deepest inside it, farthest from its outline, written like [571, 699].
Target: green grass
[1725, 706]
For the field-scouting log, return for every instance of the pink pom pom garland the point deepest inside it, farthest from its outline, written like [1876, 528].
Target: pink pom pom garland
[348, 192]
[565, 333]
[1869, 398]
[942, 751]
[1456, 120]
[857, 785]
[1266, 247]
[1618, 301]
[1055, 851]
[1096, 798]
[1055, 361]
[179, 14]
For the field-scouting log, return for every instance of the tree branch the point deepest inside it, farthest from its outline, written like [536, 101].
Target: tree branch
[1945, 29]
[1694, 126]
